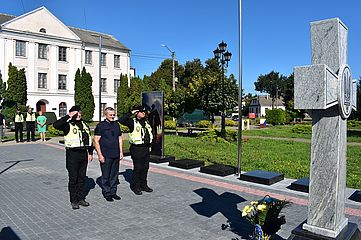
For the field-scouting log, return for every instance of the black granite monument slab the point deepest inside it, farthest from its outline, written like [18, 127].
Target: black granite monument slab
[262, 177]
[301, 185]
[350, 232]
[161, 159]
[218, 170]
[186, 163]
[356, 196]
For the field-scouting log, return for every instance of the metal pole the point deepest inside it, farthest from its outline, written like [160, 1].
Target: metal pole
[173, 69]
[239, 89]
[100, 78]
[223, 119]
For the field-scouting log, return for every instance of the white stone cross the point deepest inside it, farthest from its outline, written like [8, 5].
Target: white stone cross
[327, 90]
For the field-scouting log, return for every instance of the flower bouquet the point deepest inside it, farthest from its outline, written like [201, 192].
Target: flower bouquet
[264, 215]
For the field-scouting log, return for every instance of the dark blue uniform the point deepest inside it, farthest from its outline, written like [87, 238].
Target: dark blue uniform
[109, 133]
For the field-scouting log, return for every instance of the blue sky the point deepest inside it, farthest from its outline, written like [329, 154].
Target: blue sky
[276, 34]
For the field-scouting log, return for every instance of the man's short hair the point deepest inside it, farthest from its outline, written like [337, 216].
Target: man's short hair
[107, 109]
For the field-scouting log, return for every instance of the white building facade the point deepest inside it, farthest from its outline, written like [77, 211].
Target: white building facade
[260, 104]
[51, 53]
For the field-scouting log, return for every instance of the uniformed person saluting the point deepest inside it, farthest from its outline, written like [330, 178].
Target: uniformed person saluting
[140, 139]
[30, 124]
[19, 120]
[79, 150]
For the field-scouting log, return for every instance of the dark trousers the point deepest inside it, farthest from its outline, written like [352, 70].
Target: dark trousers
[76, 164]
[18, 129]
[110, 171]
[30, 129]
[140, 155]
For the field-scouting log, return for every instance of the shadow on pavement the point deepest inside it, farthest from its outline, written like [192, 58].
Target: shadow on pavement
[127, 175]
[89, 185]
[226, 204]
[8, 234]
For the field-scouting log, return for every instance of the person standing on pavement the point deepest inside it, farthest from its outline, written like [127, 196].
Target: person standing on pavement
[140, 139]
[19, 121]
[109, 146]
[2, 126]
[79, 150]
[41, 121]
[30, 124]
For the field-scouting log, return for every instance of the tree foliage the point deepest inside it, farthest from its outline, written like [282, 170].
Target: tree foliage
[272, 83]
[83, 95]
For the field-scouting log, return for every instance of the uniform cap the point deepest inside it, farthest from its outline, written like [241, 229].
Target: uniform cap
[140, 108]
[74, 108]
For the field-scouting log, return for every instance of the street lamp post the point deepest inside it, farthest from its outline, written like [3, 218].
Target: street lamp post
[173, 67]
[223, 57]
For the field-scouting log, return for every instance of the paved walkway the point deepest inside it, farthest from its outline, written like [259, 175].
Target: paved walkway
[185, 204]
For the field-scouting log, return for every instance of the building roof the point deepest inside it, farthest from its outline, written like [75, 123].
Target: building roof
[267, 101]
[87, 36]
[5, 17]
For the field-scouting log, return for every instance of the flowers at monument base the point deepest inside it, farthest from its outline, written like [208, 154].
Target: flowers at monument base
[265, 216]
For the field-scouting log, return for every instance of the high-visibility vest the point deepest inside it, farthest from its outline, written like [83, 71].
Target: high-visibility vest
[137, 136]
[30, 117]
[74, 138]
[19, 118]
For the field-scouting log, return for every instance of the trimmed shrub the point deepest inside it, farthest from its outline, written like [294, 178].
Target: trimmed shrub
[170, 124]
[231, 123]
[276, 116]
[302, 129]
[53, 131]
[215, 136]
[204, 124]
[354, 124]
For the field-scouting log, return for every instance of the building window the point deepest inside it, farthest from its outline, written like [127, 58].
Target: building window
[116, 61]
[116, 85]
[62, 109]
[42, 80]
[88, 57]
[104, 59]
[104, 105]
[42, 30]
[20, 48]
[103, 84]
[42, 51]
[62, 54]
[61, 82]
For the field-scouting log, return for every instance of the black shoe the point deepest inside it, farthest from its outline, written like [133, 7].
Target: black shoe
[75, 205]
[146, 188]
[109, 198]
[116, 197]
[137, 191]
[83, 203]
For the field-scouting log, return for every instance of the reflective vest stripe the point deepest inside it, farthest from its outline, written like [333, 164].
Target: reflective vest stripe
[30, 117]
[137, 136]
[74, 137]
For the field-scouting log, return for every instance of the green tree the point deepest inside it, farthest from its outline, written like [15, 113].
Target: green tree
[2, 87]
[83, 95]
[272, 83]
[122, 95]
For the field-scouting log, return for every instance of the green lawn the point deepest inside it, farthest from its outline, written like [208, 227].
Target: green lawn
[290, 158]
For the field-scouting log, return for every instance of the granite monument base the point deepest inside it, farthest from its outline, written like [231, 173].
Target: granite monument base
[186, 163]
[218, 170]
[262, 177]
[161, 159]
[301, 185]
[350, 232]
[356, 196]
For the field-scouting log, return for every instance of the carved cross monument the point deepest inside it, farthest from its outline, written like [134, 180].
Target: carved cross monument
[328, 92]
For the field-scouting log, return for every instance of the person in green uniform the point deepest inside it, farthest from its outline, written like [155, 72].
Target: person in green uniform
[41, 121]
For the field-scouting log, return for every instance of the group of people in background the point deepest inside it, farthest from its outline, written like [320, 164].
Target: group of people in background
[108, 144]
[31, 120]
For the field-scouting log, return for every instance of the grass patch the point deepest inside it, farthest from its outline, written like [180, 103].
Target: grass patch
[290, 158]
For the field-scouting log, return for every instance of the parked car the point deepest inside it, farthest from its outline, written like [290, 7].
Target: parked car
[235, 116]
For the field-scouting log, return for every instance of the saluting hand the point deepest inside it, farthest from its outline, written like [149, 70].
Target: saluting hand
[73, 113]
